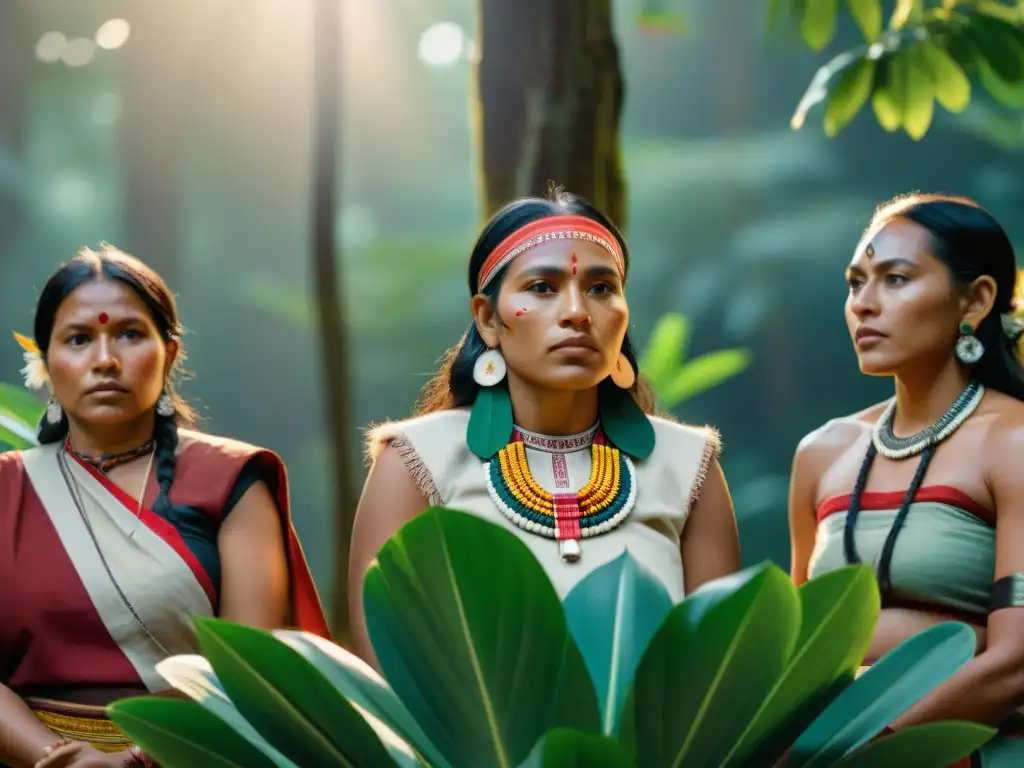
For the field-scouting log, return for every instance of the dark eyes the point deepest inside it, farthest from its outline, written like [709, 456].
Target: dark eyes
[890, 279]
[543, 286]
[80, 339]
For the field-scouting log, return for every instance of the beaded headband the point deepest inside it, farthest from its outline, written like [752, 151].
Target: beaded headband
[539, 232]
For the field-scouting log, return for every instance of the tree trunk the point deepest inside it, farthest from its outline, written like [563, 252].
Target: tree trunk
[333, 338]
[154, 110]
[549, 93]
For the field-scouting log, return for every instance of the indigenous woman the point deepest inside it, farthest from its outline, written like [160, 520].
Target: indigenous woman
[122, 525]
[927, 486]
[538, 422]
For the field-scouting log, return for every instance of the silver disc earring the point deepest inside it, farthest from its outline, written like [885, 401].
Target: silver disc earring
[54, 413]
[164, 405]
[969, 348]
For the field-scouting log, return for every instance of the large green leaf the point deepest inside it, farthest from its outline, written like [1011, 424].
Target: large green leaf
[889, 688]
[19, 413]
[193, 676]
[566, 748]
[182, 734]
[839, 612]
[612, 614]
[996, 43]
[818, 25]
[703, 373]
[287, 700]
[921, 746]
[709, 667]
[15, 433]
[362, 686]
[868, 15]
[665, 349]
[21, 403]
[850, 94]
[952, 88]
[470, 634]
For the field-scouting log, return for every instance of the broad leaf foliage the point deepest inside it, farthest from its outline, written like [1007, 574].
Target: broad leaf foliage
[482, 666]
[925, 53]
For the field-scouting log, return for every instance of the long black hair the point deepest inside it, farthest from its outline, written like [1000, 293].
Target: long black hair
[971, 243]
[111, 264]
[453, 385]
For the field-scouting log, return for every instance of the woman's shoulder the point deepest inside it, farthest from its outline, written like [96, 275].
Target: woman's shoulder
[205, 449]
[841, 431]
[434, 429]
[673, 435]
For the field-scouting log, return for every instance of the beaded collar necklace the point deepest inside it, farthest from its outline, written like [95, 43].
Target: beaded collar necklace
[565, 515]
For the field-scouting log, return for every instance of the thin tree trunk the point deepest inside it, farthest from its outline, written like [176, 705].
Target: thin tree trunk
[549, 94]
[326, 275]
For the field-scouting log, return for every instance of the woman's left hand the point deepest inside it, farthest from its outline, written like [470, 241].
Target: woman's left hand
[78, 754]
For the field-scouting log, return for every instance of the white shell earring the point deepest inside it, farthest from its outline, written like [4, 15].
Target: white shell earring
[969, 348]
[623, 375]
[54, 413]
[164, 405]
[489, 369]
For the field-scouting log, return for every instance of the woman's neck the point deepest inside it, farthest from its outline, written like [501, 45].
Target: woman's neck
[110, 439]
[923, 397]
[554, 412]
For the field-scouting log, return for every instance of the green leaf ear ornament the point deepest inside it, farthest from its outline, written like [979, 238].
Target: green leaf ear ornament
[490, 420]
[623, 421]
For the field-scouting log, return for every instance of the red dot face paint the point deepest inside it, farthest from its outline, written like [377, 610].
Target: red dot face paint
[104, 318]
[520, 312]
[575, 265]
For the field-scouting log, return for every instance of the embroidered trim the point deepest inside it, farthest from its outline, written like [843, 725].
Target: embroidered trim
[560, 444]
[712, 450]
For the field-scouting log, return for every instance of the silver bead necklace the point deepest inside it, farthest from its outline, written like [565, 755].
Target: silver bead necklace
[892, 447]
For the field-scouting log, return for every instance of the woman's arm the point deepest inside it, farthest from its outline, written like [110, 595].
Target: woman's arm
[390, 499]
[990, 686]
[710, 543]
[22, 736]
[254, 565]
[803, 524]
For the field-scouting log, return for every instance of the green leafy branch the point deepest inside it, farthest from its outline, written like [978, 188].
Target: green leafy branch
[675, 379]
[927, 53]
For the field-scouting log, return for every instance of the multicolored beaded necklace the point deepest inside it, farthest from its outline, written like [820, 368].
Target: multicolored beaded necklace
[567, 516]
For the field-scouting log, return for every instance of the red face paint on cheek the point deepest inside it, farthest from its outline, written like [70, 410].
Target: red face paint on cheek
[520, 312]
[104, 318]
[574, 264]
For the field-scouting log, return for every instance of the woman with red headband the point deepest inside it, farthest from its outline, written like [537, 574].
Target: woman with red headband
[542, 392]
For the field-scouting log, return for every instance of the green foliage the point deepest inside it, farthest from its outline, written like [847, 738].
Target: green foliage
[927, 53]
[483, 666]
[19, 414]
[676, 379]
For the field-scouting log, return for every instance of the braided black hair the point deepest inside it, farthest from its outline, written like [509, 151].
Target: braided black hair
[109, 263]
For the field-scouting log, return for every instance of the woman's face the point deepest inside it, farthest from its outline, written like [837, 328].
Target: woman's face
[106, 359]
[903, 307]
[561, 315]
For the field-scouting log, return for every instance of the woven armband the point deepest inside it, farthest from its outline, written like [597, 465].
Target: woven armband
[1008, 592]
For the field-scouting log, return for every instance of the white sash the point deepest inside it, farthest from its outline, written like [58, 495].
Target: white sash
[156, 581]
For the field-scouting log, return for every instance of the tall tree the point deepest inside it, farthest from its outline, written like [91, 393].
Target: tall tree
[326, 275]
[549, 94]
[549, 85]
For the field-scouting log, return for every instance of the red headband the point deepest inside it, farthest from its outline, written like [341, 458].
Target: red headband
[539, 232]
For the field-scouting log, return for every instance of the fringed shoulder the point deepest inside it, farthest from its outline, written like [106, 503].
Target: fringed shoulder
[691, 449]
[431, 447]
